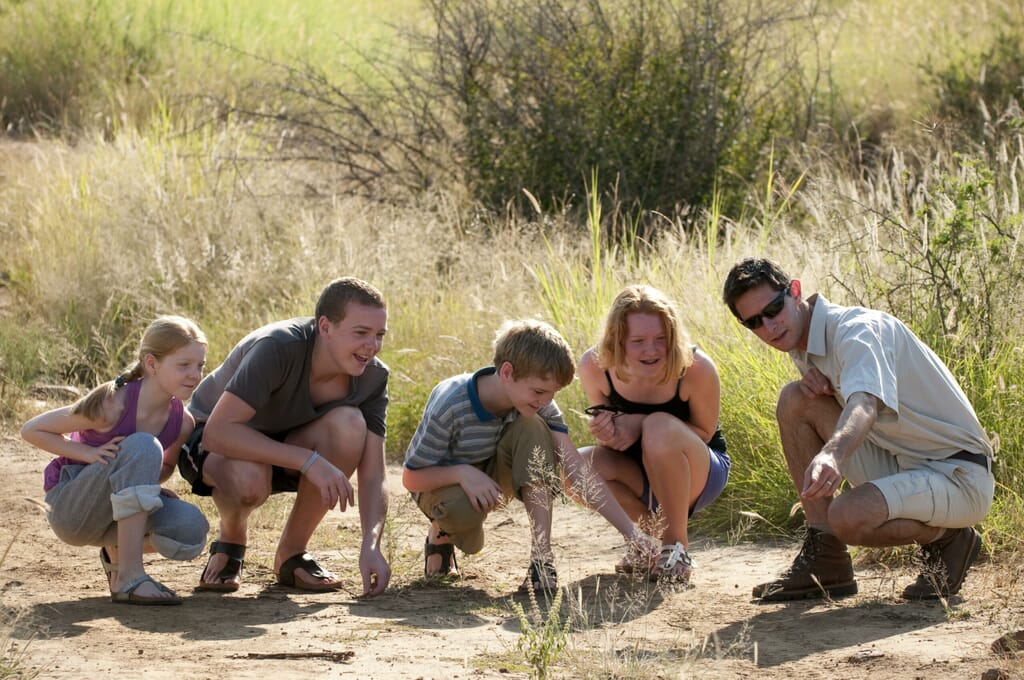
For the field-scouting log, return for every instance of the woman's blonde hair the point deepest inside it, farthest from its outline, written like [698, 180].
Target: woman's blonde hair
[640, 299]
[165, 335]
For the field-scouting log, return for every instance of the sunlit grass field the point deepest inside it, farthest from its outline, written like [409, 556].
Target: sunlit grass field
[105, 64]
[142, 217]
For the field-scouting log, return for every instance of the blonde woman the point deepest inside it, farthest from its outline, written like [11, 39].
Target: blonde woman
[654, 405]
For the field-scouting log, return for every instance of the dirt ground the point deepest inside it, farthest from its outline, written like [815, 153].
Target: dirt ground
[64, 625]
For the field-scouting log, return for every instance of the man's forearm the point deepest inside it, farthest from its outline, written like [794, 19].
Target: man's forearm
[854, 424]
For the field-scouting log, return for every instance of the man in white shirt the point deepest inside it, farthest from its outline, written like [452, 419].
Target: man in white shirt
[877, 407]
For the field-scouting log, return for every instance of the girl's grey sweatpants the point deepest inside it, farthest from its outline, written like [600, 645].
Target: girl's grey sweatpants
[88, 501]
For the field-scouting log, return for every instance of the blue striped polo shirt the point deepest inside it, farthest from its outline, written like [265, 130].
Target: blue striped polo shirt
[456, 429]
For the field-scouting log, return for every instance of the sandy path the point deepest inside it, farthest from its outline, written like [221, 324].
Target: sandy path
[68, 628]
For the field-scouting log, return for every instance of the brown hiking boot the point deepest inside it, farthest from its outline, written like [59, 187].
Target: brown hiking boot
[944, 564]
[822, 568]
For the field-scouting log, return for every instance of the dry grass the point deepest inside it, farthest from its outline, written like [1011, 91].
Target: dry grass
[13, 651]
[105, 235]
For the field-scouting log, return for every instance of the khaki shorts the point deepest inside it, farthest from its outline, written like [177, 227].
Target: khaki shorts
[524, 456]
[940, 493]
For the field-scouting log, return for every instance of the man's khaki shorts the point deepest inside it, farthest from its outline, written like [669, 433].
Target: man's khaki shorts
[948, 493]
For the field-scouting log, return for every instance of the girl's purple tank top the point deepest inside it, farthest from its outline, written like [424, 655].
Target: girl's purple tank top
[124, 427]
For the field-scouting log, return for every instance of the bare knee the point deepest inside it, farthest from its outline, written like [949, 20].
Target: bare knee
[343, 437]
[242, 485]
[664, 435]
[603, 461]
[856, 514]
[250, 495]
[796, 411]
[345, 421]
[843, 524]
[792, 405]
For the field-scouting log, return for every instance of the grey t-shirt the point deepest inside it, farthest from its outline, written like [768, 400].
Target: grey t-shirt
[269, 370]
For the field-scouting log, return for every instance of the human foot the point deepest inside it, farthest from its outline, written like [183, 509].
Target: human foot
[822, 568]
[674, 564]
[223, 571]
[142, 590]
[944, 564]
[541, 577]
[302, 572]
[439, 555]
[641, 556]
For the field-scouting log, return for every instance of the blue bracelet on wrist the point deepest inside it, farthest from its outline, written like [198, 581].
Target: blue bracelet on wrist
[309, 462]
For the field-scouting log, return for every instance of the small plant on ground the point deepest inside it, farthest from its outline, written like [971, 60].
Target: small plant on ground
[542, 637]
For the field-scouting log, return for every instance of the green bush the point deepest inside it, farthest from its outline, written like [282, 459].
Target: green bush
[665, 100]
[657, 96]
[521, 102]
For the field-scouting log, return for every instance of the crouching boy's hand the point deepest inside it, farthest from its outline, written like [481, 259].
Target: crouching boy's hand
[483, 492]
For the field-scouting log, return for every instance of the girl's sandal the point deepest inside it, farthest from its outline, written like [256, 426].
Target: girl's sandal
[674, 564]
[108, 566]
[128, 595]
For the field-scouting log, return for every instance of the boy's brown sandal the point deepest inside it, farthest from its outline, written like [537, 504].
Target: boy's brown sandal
[231, 570]
[541, 577]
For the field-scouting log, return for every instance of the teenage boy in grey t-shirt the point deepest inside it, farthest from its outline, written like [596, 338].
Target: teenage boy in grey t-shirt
[876, 406]
[297, 406]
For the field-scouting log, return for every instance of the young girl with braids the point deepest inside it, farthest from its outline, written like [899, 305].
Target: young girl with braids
[123, 439]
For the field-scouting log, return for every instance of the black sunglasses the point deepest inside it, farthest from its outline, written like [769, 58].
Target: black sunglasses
[597, 408]
[770, 311]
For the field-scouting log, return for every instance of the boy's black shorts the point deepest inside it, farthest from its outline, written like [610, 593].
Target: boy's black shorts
[193, 457]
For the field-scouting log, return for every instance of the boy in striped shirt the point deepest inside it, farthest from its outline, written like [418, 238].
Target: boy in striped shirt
[497, 434]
